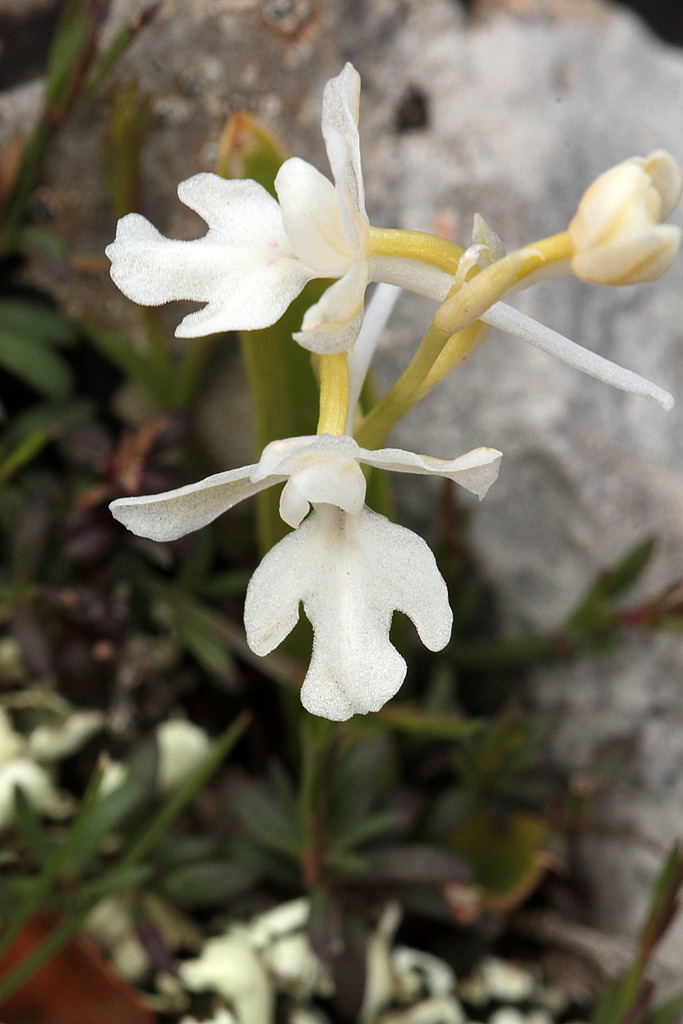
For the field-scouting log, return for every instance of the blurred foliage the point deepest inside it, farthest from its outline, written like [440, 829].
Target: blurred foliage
[445, 800]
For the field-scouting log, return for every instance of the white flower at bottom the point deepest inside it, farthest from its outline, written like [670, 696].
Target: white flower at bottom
[350, 567]
[351, 572]
[228, 966]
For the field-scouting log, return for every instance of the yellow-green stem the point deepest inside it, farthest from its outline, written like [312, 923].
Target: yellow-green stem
[456, 316]
[415, 245]
[334, 393]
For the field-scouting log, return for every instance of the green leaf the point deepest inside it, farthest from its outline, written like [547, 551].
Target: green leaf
[266, 820]
[361, 775]
[374, 826]
[114, 880]
[202, 631]
[625, 573]
[208, 884]
[593, 613]
[24, 453]
[29, 320]
[70, 52]
[46, 419]
[36, 365]
[42, 885]
[126, 130]
[31, 831]
[155, 831]
[183, 849]
[409, 719]
[414, 863]
[118, 807]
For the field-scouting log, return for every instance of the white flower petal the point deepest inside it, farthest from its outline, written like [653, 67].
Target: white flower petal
[333, 323]
[228, 966]
[37, 787]
[436, 1010]
[622, 194]
[333, 483]
[311, 219]
[295, 967]
[510, 320]
[293, 507]
[631, 260]
[476, 470]
[183, 746]
[351, 573]
[341, 106]
[243, 268]
[290, 454]
[666, 178]
[417, 968]
[283, 919]
[172, 514]
[52, 742]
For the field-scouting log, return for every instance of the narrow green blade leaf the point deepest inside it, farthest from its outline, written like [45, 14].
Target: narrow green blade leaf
[36, 365]
[27, 319]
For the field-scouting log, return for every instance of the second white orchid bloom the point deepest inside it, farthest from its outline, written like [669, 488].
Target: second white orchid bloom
[257, 254]
[350, 567]
[617, 233]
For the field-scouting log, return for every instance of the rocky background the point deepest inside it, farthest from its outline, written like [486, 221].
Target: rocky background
[509, 108]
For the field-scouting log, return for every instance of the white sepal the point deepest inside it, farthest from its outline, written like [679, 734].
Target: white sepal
[341, 107]
[475, 471]
[351, 573]
[172, 514]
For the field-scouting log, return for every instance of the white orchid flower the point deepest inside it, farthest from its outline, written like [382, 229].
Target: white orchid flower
[183, 746]
[281, 938]
[19, 770]
[257, 254]
[350, 567]
[228, 966]
[617, 233]
[53, 742]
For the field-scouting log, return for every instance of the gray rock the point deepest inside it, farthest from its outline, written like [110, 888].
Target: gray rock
[522, 113]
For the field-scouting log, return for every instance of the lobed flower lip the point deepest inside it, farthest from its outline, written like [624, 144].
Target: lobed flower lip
[617, 232]
[350, 572]
[258, 254]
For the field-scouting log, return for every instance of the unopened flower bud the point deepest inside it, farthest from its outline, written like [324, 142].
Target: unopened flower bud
[617, 232]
